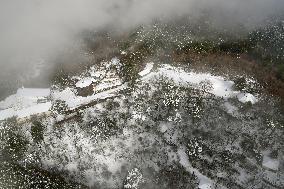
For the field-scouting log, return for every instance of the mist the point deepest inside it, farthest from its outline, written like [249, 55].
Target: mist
[34, 31]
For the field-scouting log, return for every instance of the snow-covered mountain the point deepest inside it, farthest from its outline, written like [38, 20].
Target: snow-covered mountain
[160, 107]
[175, 127]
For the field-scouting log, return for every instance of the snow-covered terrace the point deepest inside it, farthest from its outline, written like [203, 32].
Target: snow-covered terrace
[26, 102]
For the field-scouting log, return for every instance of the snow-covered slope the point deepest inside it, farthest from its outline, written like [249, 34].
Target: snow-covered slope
[174, 128]
[218, 85]
[26, 102]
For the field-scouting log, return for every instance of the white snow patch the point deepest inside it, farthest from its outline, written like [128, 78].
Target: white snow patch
[204, 182]
[246, 97]
[37, 109]
[26, 102]
[107, 83]
[219, 86]
[97, 74]
[147, 69]
[26, 112]
[72, 100]
[85, 82]
[24, 97]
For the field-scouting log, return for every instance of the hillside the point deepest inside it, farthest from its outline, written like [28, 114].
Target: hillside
[161, 106]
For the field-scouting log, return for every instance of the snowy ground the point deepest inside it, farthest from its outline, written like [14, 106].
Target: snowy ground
[91, 157]
[218, 85]
[26, 102]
